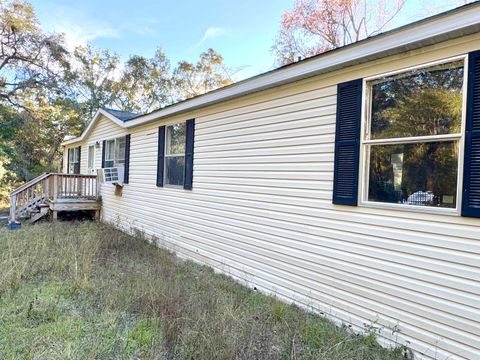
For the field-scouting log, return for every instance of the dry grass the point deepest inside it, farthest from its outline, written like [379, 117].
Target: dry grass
[86, 290]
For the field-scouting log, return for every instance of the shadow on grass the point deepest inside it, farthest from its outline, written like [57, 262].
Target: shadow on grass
[87, 290]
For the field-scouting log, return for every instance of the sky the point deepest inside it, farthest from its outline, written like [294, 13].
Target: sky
[242, 30]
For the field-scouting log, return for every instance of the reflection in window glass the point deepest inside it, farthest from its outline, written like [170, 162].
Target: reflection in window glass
[74, 161]
[91, 157]
[120, 151]
[175, 154]
[174, 169]
[420, 102]
[115, 152]
[175, 139]
[422, 174]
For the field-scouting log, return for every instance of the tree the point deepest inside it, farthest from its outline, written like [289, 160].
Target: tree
[145, 84]
[315, 26]
[207, 74]
[30, 139]
[29, 58]
[92, 79]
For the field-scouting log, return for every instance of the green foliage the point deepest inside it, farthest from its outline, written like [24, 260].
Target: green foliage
[87, 290]
[47, 93]
[207, 74]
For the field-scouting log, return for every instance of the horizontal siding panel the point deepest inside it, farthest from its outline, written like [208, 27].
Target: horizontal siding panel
[284, 122]
[310, 158]
[306, 140]
[270, 152]
[295, 184]
[314, 130]
[291, 103]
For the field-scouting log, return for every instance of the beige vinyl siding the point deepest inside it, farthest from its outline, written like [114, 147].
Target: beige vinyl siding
[261, 211]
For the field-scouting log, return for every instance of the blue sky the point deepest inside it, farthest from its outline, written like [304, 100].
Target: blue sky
[242, 31]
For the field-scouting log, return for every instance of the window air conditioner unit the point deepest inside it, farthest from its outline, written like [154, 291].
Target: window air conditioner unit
[112, 175]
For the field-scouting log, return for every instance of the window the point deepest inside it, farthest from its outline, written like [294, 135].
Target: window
[412, 137]
[91, 158]
[74, 160]
[175, 154]
[115, 152]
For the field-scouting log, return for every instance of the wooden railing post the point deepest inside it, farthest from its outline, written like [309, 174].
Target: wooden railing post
[46, 188]
[80, 186]
[13, 209]
[55, 187]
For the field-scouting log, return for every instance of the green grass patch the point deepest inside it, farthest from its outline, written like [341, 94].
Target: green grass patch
[87, 290]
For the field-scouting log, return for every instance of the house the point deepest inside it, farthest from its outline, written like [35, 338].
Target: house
[348, 183]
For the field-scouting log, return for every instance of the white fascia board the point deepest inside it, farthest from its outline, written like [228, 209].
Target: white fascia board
[90, 126]
[436, 28]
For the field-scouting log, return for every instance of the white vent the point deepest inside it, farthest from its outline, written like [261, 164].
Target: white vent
[112, 175]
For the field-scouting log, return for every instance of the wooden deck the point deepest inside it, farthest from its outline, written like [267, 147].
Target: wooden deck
[54, 193]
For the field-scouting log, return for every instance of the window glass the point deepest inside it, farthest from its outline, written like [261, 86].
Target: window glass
[175, 139]
[174, 170]
[110, 153]
[91, 157]
[414, 174]
[175, 154]
[420, 102]
[110, 150]
[115, 152]
[402, 169]
[73, 160]
[120, 151]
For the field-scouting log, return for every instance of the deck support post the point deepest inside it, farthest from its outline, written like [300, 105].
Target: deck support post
[13, 209]
[97, 215]
[54, 215]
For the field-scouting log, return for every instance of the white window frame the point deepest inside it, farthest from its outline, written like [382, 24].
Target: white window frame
[365, 143]
[91, 158]
[114, 159]
[166, 156]
[74, 159]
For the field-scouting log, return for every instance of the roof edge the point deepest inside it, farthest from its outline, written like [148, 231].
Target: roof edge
[91, 124]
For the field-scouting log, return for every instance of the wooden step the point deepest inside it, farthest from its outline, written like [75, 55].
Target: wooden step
[40, 214]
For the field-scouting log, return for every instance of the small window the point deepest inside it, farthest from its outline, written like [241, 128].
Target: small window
[413, 136]
[175, 154]
[115, 152]
[74, 160]
[91, 158]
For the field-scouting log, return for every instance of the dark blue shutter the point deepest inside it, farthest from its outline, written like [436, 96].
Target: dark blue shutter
[126, 172]
[68, 161]
[77, 164]
[189, 145]
[104, 145]
[471, 173]
[160, 155]
[347, 143]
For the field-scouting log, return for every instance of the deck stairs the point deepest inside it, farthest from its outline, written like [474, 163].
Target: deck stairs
[50, 193]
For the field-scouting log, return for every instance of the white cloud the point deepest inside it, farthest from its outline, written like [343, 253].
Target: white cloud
[145, 30]
[211, 33]
[78, 27]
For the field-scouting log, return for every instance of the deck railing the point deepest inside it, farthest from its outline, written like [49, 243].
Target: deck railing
[51, 187]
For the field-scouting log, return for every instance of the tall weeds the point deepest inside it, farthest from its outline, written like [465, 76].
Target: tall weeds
[87, 290]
